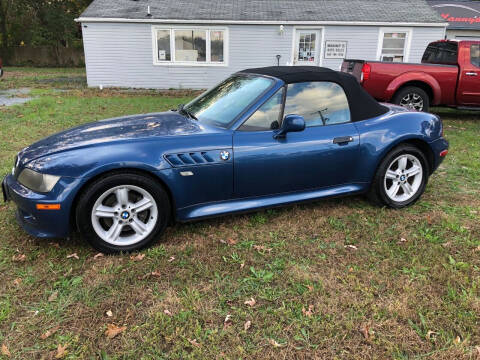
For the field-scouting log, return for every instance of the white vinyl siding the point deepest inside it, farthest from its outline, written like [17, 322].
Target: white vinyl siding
[122, 54]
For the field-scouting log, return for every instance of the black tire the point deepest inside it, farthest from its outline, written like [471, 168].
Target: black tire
[377, 192]
[90, 195]
[412, 91]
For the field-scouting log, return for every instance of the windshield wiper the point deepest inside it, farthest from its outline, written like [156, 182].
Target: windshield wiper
[181, 109]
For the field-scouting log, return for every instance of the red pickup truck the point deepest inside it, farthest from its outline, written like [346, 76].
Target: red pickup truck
[448, 75]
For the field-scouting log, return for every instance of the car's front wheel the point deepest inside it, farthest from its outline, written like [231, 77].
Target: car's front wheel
[401, 177]
[122, 212]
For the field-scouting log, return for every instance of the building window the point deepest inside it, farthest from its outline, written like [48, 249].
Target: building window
[393, 45]
[189, 46]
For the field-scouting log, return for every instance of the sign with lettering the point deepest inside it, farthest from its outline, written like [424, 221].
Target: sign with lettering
[335, 49]
[459, 14]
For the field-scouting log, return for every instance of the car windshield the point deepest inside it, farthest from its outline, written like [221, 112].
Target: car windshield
[222, 104]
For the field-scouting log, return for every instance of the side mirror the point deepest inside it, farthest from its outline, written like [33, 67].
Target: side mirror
[291, 123]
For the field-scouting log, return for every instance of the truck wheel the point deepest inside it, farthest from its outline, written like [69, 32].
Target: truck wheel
[412, 98]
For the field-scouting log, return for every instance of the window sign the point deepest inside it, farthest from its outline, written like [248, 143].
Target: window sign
[335, 49]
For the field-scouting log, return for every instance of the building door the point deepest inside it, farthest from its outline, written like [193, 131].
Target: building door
[307, 47]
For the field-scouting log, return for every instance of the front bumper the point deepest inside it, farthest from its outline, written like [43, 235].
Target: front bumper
[42, 223]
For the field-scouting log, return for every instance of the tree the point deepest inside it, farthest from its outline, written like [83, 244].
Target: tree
[40, 23]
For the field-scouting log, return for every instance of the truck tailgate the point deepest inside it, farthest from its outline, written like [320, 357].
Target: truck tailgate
[353, 67]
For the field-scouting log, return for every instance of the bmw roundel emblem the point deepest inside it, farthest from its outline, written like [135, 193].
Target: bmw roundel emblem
[224, 155]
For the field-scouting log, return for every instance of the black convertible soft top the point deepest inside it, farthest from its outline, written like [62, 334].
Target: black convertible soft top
[362, 104]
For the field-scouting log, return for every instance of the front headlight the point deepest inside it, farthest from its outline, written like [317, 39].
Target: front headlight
[35, 181]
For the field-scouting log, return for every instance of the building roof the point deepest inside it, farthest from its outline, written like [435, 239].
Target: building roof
[301, 11]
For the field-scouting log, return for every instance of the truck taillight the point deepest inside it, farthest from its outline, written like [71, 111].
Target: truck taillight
[366, 70]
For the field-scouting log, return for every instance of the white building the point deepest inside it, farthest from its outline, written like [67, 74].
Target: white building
[195, 44]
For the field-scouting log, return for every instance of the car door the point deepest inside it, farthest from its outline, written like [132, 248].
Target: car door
[469, 81]
[323, 155]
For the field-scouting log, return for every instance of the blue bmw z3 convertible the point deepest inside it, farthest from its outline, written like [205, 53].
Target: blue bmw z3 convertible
[261, 138]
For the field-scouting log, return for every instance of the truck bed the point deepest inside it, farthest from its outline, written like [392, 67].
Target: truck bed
[383, 76]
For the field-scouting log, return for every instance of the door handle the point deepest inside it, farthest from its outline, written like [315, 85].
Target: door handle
[471, 73]
[342, 140]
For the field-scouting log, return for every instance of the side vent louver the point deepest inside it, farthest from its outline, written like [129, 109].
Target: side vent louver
[193, 158]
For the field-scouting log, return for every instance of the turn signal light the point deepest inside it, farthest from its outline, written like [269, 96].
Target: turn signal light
[48, 206]
[443, 153]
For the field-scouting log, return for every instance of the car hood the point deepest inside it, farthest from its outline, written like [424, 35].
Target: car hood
[127, 128]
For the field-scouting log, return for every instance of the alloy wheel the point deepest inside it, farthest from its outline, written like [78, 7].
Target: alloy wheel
[403, 178]
[124, 215]
[412, 101]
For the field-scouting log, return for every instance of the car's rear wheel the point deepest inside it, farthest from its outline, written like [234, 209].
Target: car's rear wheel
[401, 177]
[413, 98]
[122, 212]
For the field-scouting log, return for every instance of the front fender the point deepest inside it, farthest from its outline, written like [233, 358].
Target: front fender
[429, 80]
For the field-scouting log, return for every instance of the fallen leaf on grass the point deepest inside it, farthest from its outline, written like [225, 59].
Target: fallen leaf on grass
[109, 313]
[153, 273]
[231, 241]
[367, 332]
[17, 281]
[99, 255]
[242, 265]
[262, 248]
[167, 312]
[310, 288]
[250, 302]
[53, 296]
[114, 330]
[49, 332]
[138, 257]
[5, 351]
[457, 340]
[308, 312]
[275, 344]
[431, 335]
[350, 246]
[74, 255]
[171, 258]
[402, 240]
[227, 322]
[19, 258]
[247, 325]
[61, 351]
[194, 342]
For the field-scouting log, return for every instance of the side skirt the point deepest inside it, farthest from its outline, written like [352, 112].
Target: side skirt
[206, 210]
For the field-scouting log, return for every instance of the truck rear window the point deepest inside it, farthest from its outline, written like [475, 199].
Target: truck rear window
[441, 53]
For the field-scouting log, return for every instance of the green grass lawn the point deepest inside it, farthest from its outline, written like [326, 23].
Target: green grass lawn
[336, 279]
